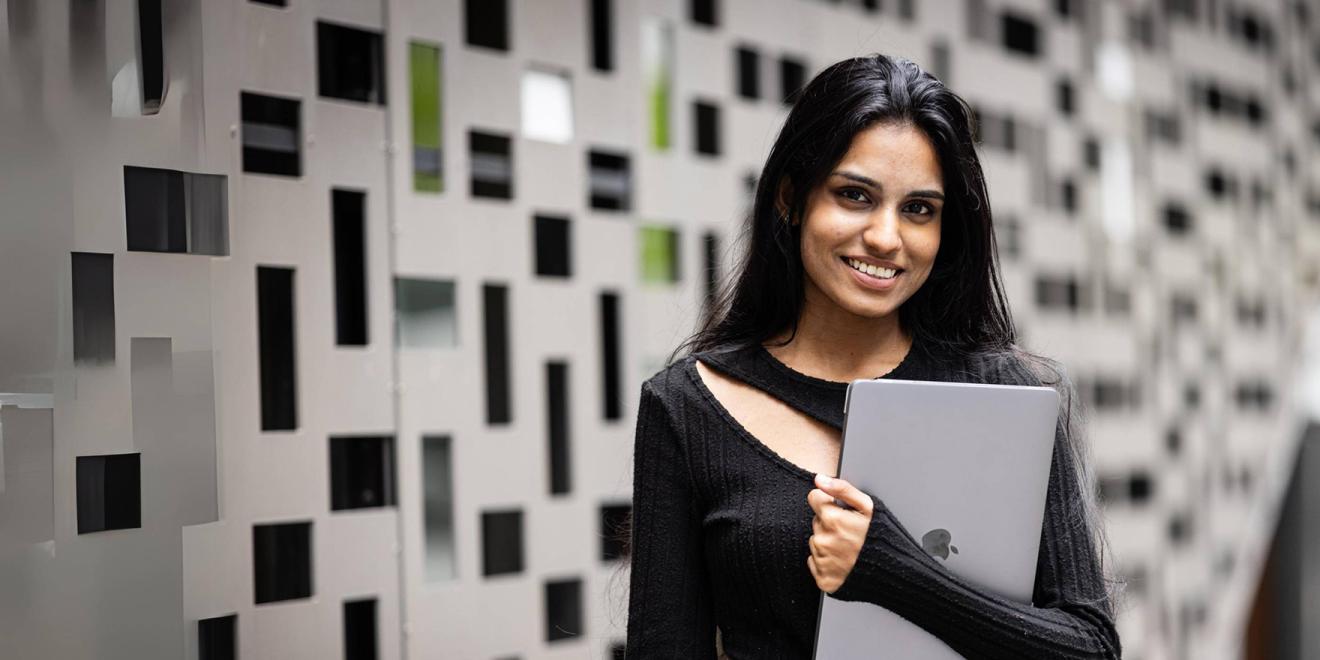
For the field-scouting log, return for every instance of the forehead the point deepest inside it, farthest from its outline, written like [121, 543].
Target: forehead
[894, 153]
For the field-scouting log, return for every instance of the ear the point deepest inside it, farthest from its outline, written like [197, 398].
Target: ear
[784, 199]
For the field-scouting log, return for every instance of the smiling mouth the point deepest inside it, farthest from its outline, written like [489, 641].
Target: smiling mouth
[871, 271]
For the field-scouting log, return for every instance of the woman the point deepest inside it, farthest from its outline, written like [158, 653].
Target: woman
[871, 251]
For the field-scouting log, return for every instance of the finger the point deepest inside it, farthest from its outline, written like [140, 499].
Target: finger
[811, 566]
[841, 489]
[816, 526]
[817, 499]
[830, 516]
[815, 547]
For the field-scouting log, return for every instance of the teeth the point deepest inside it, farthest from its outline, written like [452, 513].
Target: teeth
[874, 271]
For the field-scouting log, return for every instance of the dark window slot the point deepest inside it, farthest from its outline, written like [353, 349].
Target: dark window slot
[557, 427]
[361, 472]
[276, 345]
[496, 319]
[109, 492]
[272, 135]
[350, 245]
[282, 561]
[792, 77]
[749, 72]
[350, 63]
[155, 210]
[602, 35]
[492, 165]
[173, 211]
[611, 182]
[563, 609]
[487, 23]
[611, 356]
[217, 638]
[501, 542]
[706, 117]
[705, 12]
[151, 50]
[93, 307]
[1020, 34]
[553, 246]
[614, 530]
[360, 629]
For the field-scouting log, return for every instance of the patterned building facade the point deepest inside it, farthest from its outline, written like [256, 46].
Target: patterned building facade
[325, 320]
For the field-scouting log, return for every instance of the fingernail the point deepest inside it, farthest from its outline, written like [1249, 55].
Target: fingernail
[824, 480]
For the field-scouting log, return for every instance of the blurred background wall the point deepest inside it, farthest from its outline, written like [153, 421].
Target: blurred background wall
[322, 322]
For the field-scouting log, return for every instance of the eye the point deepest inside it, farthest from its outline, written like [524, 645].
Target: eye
[923, 208]
[847, 193]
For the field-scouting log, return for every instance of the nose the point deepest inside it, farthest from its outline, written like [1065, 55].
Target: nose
[882, 232]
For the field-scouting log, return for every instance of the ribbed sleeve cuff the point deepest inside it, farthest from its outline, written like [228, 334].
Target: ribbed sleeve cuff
[886, 540]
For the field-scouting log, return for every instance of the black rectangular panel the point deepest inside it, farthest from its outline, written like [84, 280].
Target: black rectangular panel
[282, 561]
[276, 346]
[491, 165]
[602, 35]
[611, 355]
[614, 530]
[109, 492]
[350, 239]
[361, 472]
[487, 23]
[706, 117]
[553, 246]
[155, 211]
[350, 63]
[792, 77]
[360, 629]
[610, 181]
[217, 638]
[563, 609]
[557, 427]
[93, 307]
[151, 51]
[499, 408]
[501, 542]
[749, 72]
[272, 134]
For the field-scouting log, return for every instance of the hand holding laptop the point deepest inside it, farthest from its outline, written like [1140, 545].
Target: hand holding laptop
[842, 517]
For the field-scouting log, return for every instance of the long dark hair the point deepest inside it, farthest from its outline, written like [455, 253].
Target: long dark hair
[960, 312]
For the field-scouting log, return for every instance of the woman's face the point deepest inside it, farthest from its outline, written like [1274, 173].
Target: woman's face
[879, 207]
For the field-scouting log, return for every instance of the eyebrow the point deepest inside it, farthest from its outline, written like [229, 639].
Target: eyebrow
[931, 194]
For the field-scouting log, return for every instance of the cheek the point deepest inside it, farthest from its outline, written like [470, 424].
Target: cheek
[927, 244]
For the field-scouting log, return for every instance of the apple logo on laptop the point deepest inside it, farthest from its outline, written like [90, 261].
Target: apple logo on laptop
[936, 542]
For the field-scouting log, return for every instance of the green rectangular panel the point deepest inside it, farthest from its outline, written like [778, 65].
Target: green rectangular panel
[425, 70]
[659, 254]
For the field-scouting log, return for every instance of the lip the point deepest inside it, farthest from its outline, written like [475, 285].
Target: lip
[881, 263]
[870, 282]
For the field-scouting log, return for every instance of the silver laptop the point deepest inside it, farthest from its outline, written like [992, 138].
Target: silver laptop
[965, 468]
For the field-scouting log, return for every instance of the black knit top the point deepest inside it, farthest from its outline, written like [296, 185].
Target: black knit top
[721, 522]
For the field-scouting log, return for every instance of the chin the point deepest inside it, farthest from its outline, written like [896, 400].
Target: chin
[872, 311]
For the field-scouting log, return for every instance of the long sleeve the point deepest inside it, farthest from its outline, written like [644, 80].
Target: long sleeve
[1071, 617]
[669, 606]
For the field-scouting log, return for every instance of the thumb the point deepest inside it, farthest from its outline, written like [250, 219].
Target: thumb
[844, 491]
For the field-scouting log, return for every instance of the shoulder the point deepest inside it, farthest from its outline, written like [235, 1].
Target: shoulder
[670, 380]
[671, 390]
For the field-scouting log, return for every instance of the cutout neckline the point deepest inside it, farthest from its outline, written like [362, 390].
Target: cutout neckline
[775, 386]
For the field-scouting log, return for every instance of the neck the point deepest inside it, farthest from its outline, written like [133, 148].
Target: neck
[835, 344]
